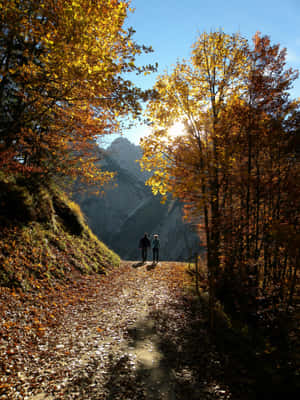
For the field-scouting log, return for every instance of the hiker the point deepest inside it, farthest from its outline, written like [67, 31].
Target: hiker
[144, 244]
[155, 248]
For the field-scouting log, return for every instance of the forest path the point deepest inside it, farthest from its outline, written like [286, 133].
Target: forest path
[137, 335]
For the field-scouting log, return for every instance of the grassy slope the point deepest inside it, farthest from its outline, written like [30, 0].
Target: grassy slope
[44, 239]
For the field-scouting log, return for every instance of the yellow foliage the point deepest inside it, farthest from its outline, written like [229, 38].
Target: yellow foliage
[71, 83]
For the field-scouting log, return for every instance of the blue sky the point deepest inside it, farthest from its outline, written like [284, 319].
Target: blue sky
[172, 26]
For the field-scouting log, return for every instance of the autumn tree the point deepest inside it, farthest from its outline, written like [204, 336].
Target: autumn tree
[267, 121]
[238, 120]
[196, 93]
[62, 85]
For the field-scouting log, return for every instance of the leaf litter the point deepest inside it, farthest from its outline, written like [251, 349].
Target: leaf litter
[133, 334]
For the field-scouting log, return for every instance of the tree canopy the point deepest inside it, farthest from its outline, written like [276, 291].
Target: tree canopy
[235, 167]
[62, 82]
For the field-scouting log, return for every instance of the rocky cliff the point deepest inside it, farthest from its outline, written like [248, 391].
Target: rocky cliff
[127, 210]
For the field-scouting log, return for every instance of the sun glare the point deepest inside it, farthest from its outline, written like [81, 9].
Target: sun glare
[176, 130]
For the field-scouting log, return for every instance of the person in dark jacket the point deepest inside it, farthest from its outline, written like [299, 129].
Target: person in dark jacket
[155, 248]
[144, 244]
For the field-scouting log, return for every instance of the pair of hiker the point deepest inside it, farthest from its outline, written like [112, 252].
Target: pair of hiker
[145, 243]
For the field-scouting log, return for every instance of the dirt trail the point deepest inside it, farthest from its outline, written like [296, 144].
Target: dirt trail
[140, 336]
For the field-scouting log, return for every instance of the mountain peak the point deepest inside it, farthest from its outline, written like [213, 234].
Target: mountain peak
[125, 154]
[122, 143]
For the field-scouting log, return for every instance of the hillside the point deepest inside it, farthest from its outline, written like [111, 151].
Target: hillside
[128, 209]
[44, 238]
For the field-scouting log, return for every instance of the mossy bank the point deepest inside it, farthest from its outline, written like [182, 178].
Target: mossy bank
[44, 238]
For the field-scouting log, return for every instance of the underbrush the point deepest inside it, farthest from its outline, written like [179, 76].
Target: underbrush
[261, 350]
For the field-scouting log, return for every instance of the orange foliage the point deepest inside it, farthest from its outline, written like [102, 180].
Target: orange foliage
[235, 166]
[61, 84]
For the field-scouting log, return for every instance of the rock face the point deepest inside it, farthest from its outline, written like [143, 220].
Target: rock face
[126, 211]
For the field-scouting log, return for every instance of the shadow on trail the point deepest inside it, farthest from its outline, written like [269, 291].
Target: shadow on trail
[175, 359]
[138, 264]
[148, 266]
[169, 355]
[151, 266]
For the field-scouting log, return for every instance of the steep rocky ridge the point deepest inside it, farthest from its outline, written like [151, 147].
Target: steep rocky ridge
[129, 209]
